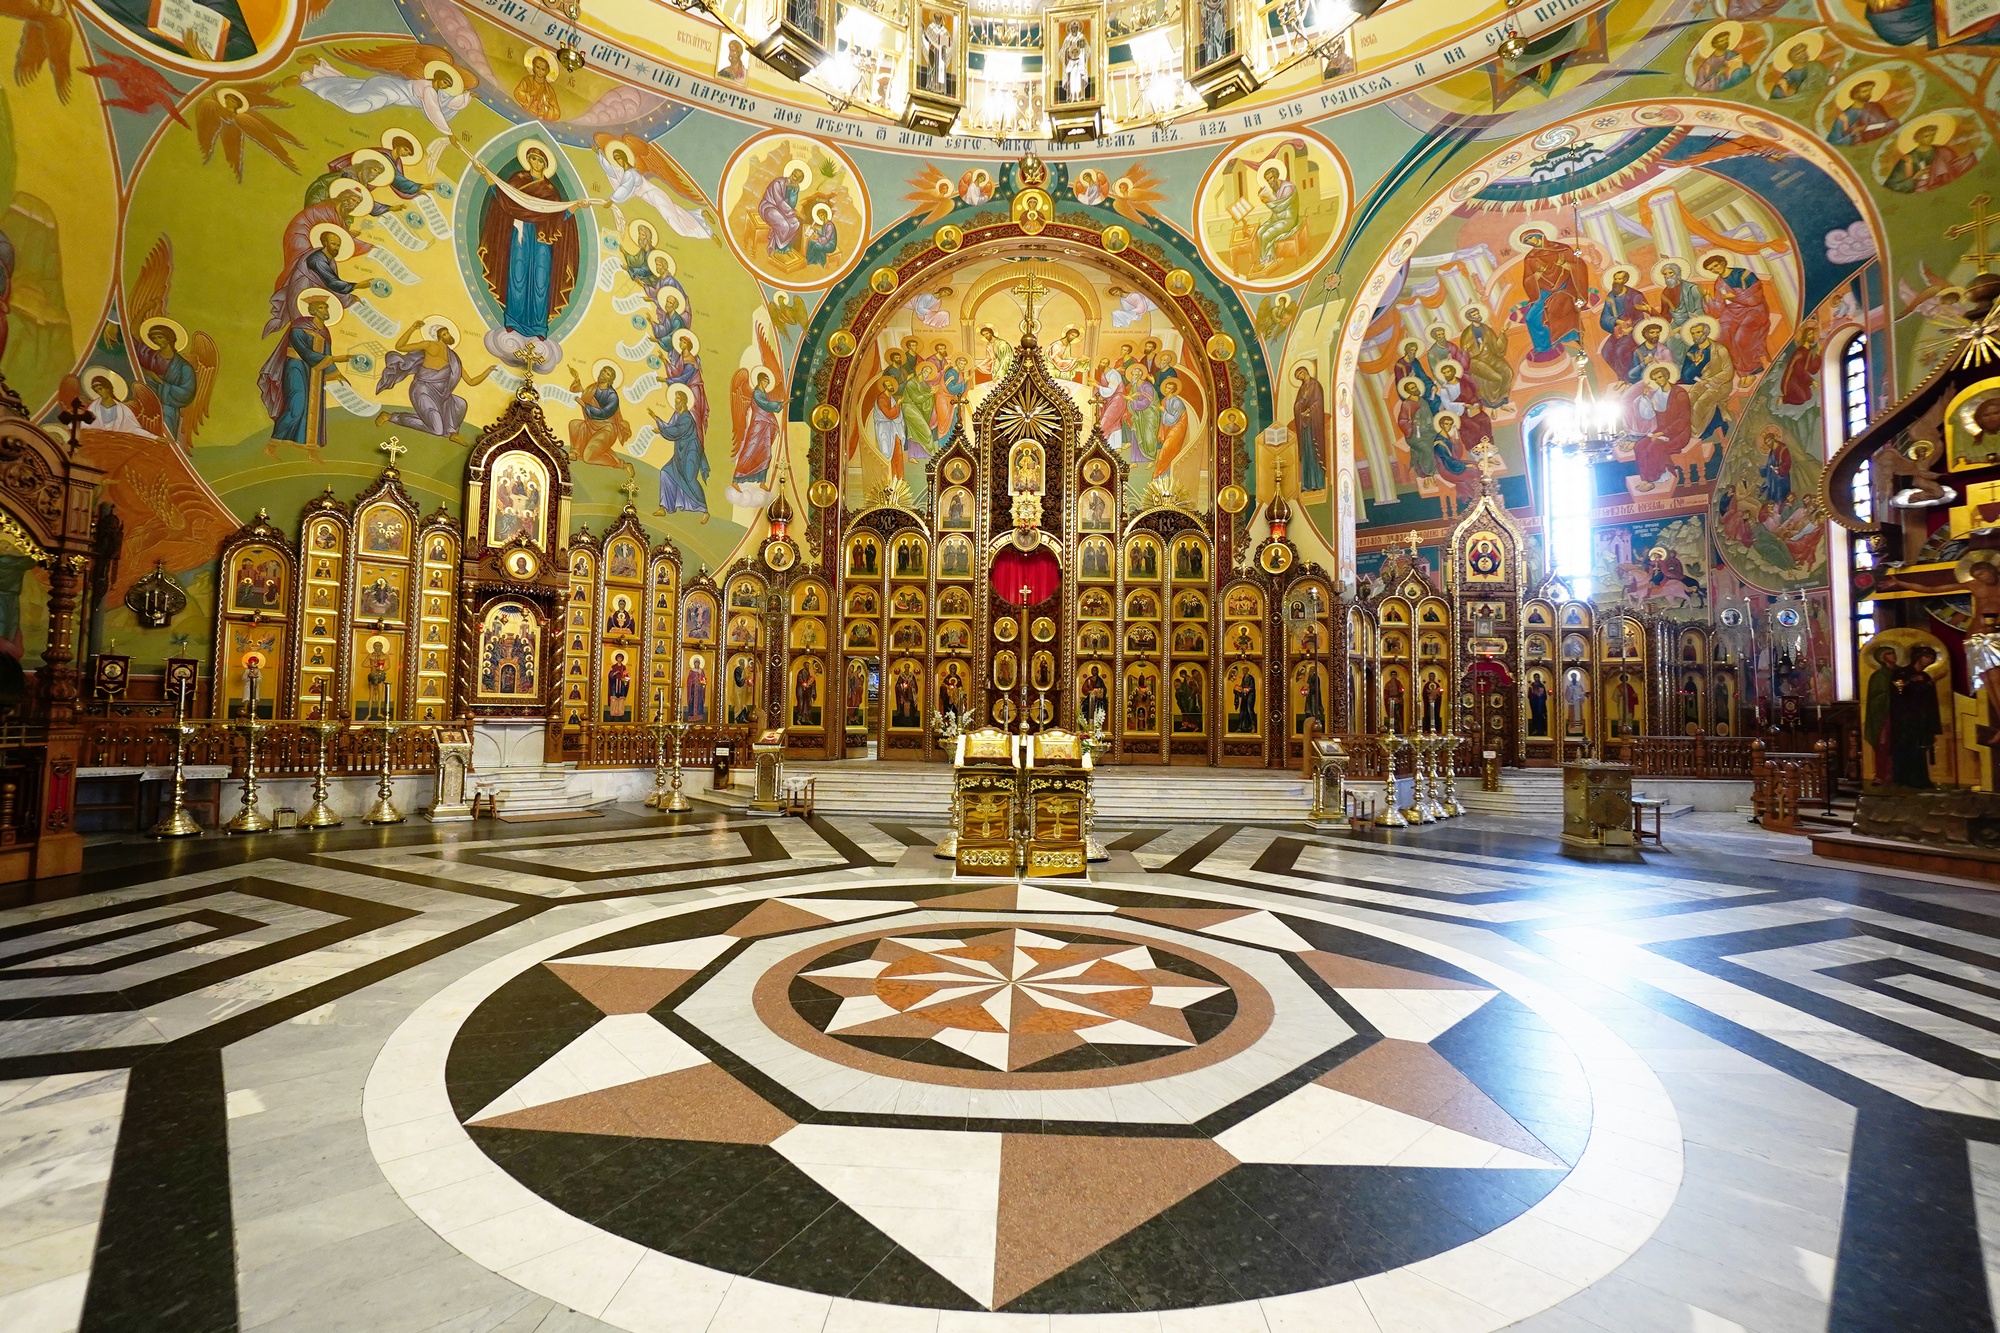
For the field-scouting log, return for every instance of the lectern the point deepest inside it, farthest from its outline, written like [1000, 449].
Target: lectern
[1057, 773]
[985, 786]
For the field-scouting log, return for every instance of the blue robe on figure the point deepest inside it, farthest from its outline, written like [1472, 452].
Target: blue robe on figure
[682, 475]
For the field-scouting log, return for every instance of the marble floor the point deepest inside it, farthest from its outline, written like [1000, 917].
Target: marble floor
[715, 1073]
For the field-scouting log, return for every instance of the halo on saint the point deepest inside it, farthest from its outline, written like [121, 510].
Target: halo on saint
[822, 211]
[1944, 122]
[686, 343]
[402, 145]
[632, 233]
[541, 53]
[173, 326]
[334, 309]
[1879, 79]
[1729, 28]
[619, 153]
[669, 300]
[1654, 323]
[1444, 422]
[233, 100]
[347, 187]
[375, 155]
[528, 146]
[1407, 383]
[681, 396]
[1519, 240]
[1474, 314]
[604, 363]
[120, 390]
[660, 264]
[436, 324]
[1702, 322]
[1812, 39]
[797, 164]
[455, 82]
[1631, 276]
[346, 250]
[1677, 264]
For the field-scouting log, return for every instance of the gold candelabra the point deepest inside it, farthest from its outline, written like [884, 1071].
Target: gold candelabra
[1392, 817]
[320, 814]
[177, 822]
[384, 810]
[249, 819]
[1451, 804]
[667, 796]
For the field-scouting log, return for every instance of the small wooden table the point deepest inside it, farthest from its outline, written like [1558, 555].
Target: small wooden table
[1640, 805]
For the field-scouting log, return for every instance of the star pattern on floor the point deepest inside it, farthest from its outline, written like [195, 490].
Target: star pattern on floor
[1013, 997]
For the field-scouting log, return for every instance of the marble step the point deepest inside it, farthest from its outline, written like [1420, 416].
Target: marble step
[1124, 794]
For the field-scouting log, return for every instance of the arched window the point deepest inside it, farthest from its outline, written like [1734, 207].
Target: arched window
[1856, 395]
[1571, 483]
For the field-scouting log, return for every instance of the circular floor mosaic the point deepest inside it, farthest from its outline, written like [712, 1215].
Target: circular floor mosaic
[1091, 1102]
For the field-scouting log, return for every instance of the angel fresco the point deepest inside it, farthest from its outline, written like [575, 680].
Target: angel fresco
[229, 115]
[408, 74]
[637, 168]
[756, 404]
[178, 367]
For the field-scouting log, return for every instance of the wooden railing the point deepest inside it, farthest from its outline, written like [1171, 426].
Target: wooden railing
[630, 745]
[284, 749]
[1685, 756]
[1783, 783]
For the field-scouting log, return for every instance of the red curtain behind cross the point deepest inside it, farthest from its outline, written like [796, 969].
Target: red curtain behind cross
[1038, 570]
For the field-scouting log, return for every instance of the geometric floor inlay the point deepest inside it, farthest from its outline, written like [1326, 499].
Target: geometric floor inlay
[980, 1100]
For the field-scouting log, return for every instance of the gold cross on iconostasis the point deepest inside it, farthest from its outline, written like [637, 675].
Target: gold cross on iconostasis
[630, 490]
[395, 448]
[1030, 289]
[1981, 220]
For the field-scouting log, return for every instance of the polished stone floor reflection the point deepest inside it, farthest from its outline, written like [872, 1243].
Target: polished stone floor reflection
[742, 1075]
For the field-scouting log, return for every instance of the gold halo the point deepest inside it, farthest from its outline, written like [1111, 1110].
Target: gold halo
[334, 309]
[949, 237]
[679, 392]
[1920, 451]
[1518, 241]
[602, 364]
[617, 146]
[536, 145]
[882, 281]
[1631, 274]
[659, 263]
[528, 59]
[632, 231]
[347, 185]
[692, 345]
[1813, 39]
[1116, 237]
[445, 67]
[1409, 382]
[825, 417]
[1232, 499]
[823, 494]
[1438, 421]
[178, 329]
[1220, 347]
[361, 155]
[1639, 329]
[434, 323]
[120, 390]
[841, 343]
[822, 211]
[1944, 121]
[397, 135]
[1843, 94]
[1962, 571]
[1179, 281]
[797, 163]
[1729, 28]
[1702, 322]
[1659, 269]
[1231, 421]
[223, 96]
[346, 238]
[669, 294]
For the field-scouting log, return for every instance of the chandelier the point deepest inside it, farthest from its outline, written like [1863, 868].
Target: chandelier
[1023, 69]
[1591, 425]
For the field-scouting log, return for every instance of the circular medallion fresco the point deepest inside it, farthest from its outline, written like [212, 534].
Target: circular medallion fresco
[1088, 1103]
[1270, 208]
[794, 210]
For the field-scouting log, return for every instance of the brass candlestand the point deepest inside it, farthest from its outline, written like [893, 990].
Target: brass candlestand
[1452, 807]
[1391, 816]
[384, 810]
[249, 819]
[1422, 809]
[320, 814]
[677, 801]
[177, 822]
[946, 726]
[658, 799]
[1094, 744]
